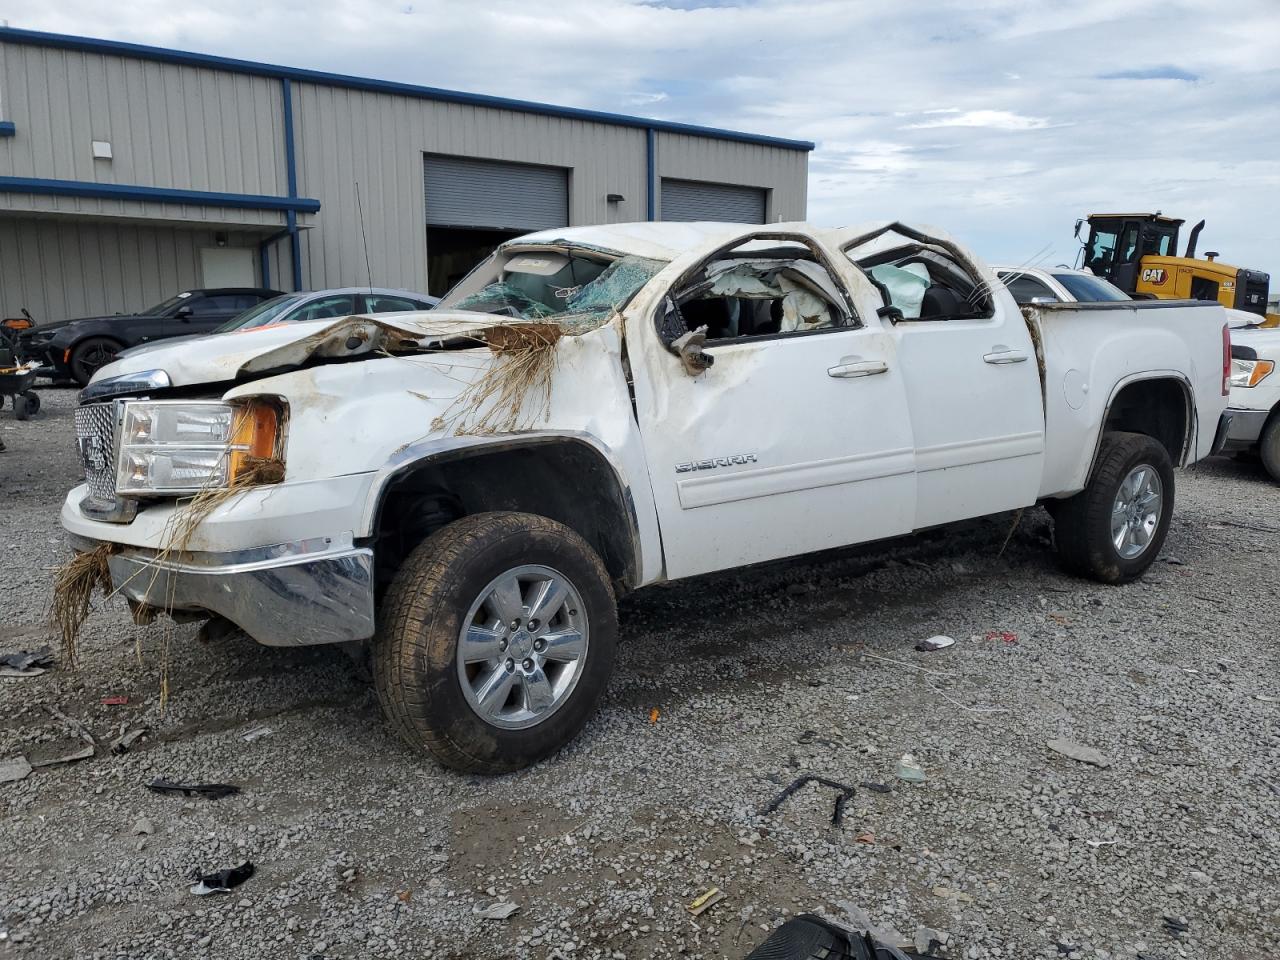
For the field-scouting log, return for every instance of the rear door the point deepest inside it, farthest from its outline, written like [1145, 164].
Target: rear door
[796, 438]
[973, 386]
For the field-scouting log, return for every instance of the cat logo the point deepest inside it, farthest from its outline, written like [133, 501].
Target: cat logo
[1154, 275]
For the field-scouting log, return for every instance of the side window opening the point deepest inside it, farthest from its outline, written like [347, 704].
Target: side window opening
[766, 285]
[921, 278]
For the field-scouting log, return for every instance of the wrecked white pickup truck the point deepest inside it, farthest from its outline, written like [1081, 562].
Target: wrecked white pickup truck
[593, 410]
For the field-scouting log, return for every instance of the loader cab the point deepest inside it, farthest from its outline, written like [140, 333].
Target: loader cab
[1117, 242]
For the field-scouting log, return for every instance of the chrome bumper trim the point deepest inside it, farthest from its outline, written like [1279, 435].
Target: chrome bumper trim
[286, 595]
[1245, 428]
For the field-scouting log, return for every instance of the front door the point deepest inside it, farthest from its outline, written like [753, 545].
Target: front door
[795, 439]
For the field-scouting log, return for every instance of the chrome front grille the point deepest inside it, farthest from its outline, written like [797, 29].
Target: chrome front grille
[96, 443]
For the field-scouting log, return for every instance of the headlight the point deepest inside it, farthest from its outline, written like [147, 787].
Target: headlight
[139, 382]
[1250, 373]
[175, 446]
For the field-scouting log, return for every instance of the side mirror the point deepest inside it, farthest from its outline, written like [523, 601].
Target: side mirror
[183, 313]
[1079, 224]
[1041, 301]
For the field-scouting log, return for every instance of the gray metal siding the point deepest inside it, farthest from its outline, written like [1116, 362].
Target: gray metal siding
[690, 200]
[465, 192]
[60, 269]
[168, 125]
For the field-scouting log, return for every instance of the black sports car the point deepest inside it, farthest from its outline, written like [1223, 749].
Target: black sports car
[76, 348]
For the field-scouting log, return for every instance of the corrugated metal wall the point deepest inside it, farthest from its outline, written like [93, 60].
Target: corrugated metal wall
[100, 267]
[169, 126]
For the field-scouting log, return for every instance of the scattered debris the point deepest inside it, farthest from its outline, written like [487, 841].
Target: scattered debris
[257, 733]
[60, 751]
[808, 736]
[14, 769]
[909, 770]
[1101, 843]
[843, 795]
[121, 744]
[811, 936]
[26, 664]
[143, 827]
[1078, 751]
[115, 700]
[498, 910]
[223, 880]
[876, 787]
[404, 896]
[75, 726]
[1172, 560]
[705, 902]
[947, 893]
[1266, 699]
[1175, 926]
[928, 940]
[939, 642]
[1004, 635]
[214, 791]
[866, 837]
[654, 714]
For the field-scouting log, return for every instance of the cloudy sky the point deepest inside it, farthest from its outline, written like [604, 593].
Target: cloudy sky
[1002, 120]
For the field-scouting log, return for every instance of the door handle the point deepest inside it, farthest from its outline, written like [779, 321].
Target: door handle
[858, 368]
[1005, 356]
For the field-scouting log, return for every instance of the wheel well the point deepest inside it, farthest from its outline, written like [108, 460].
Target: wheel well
[1160, 408]
[565, 480]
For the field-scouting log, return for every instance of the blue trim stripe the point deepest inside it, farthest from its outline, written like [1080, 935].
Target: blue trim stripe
[164, 55]
[7, 128]
[120, 191]
[290, 156]
[651, 174]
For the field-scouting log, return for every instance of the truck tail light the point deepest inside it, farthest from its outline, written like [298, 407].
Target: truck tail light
[1226, 360]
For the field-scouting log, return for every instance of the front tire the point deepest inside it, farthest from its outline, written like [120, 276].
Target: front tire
[495, 641]
[1113, 530]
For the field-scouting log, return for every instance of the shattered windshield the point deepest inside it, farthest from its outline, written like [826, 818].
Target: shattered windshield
[575, 291]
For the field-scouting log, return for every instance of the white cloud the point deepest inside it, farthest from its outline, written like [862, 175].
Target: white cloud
[990, 119]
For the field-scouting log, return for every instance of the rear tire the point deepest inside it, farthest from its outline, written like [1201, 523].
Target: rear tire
[1113, 530]
[451, 697]
[33, 402]
[89, 355]
[1269, 446]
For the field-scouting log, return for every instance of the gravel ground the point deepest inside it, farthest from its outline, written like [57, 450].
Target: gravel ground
[1007, 849]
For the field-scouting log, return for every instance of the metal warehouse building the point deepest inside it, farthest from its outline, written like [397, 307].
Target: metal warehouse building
[128, 173]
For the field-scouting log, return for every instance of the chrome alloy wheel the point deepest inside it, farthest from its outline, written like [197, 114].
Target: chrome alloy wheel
[522, 647]
[1136, 512]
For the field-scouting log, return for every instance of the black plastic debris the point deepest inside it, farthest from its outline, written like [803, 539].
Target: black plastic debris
[844, 794]
[222, 881]
[1175, 926]
[214, 791]
[24, 662]
[807, 936]
[876, 787]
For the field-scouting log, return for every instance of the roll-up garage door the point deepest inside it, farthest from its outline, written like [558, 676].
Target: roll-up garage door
[462, 192]
[694, 200]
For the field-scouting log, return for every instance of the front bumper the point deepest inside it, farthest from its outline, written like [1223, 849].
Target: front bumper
[1245, 428]
[290, 594]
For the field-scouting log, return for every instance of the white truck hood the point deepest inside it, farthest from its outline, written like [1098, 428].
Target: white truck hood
[234, 355]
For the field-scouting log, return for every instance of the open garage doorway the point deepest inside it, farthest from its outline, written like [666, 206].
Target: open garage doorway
[474, 205]
[453, 251]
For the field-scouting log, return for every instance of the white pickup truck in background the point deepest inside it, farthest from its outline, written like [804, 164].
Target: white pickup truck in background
[593, 410]
[1254, 406]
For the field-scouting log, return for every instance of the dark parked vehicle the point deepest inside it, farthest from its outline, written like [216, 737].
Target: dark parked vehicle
[77, 348]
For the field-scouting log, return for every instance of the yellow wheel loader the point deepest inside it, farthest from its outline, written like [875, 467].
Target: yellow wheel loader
[1138, 252]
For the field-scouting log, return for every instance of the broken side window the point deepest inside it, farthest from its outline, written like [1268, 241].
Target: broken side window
[762, 296]
[921, 278]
